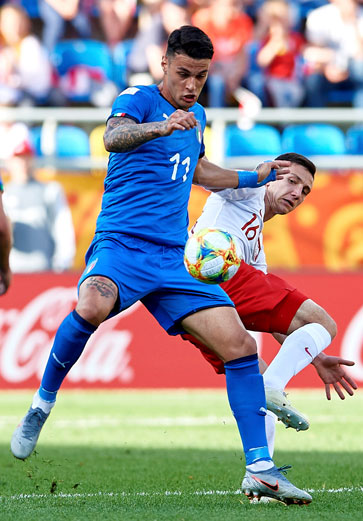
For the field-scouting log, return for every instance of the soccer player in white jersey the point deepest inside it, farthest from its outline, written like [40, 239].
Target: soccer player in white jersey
[266, 302]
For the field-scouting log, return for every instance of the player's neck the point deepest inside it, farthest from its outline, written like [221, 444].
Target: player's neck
[269, 213]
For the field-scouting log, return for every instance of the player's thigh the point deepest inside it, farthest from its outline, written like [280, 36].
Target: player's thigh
[264, 302]
[180, 295]
[310, 312]
[221, 330]
[131, 264]
[254, 291]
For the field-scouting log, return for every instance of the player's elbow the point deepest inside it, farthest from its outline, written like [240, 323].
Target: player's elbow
[107, 142]
[196, 180]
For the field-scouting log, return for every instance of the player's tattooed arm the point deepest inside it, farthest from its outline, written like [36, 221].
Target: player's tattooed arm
[124, 134]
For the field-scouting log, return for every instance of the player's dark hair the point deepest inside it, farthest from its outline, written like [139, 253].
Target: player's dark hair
[191, 41]
[300, 160]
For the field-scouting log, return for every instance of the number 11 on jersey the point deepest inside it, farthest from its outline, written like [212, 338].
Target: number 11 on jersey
[185, 163]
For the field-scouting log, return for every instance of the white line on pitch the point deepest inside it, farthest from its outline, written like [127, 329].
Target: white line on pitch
[166, 493]
[161, 421]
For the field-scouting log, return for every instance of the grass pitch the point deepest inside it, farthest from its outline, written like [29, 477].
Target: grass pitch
[174, 456]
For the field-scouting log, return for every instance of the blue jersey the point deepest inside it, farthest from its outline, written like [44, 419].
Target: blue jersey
[147, 190]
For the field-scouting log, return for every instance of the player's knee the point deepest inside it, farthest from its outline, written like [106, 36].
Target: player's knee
[325, 320]
[239, 346]
[97, 297]
[310, 312]
[92, 312]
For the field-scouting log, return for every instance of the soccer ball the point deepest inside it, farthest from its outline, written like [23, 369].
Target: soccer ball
[212, 256]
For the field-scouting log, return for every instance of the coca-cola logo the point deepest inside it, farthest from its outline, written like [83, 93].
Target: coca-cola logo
[26, 337]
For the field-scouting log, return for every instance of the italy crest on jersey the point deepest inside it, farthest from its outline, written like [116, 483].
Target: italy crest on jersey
[198, 130]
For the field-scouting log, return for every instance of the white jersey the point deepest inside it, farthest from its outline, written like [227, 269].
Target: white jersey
[239, 212]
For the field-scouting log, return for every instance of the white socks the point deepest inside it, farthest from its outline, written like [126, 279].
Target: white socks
[297, 351]
[260, 465]
[270, 423]
[42, 404]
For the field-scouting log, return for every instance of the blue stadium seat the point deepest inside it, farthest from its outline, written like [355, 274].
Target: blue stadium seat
[313, 139]
[258, 140]
[120, 55]
[92, 55]
[70, 141]
[354, 139]
[34, 134]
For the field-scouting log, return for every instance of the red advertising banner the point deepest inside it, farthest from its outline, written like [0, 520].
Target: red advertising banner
[133, 351]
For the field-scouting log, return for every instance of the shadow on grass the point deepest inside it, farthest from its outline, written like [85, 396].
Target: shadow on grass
[71, 469]
[76, 483]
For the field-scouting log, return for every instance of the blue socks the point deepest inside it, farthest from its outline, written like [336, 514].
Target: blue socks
[69, 342]
[247, 400]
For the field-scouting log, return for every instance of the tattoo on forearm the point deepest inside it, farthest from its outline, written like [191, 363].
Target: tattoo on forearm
[106, 289]
[124, 135]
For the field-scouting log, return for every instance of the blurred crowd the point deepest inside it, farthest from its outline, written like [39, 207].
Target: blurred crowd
[272, 53]
[290, 53]
[42, 230]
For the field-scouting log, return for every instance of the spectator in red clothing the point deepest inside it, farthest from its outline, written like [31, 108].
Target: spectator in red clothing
[279, 54]
[230, 29]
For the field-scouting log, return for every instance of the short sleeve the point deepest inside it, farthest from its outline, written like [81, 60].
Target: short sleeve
[133, 103]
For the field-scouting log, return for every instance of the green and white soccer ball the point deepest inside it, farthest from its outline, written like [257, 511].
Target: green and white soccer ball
[212, 256]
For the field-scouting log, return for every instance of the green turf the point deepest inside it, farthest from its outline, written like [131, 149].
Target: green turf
[173, 456]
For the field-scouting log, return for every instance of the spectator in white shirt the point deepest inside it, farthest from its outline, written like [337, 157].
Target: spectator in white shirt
[334, 55]
[25, 69]
[43, 233]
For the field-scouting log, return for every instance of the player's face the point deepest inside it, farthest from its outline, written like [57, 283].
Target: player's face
[286, 194]
[184, 78]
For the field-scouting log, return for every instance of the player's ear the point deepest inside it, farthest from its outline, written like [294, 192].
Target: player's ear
[164, 64]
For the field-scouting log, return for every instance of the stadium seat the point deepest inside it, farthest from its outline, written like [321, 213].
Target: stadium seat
[258, 140]
[69, 141]
[79, 63]
[313, 139]
[354, 140]
[92, 53]
[119, 58]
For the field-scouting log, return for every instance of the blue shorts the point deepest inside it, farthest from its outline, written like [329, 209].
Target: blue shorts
[152, 273]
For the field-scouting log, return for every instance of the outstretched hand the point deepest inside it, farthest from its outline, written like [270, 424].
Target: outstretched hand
[330, 370]
[281, 168]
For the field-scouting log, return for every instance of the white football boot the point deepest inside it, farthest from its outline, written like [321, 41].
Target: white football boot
[272, 483]
[277, 402]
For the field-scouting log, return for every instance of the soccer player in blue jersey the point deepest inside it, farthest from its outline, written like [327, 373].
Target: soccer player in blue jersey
[155, 136]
